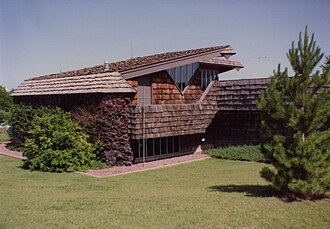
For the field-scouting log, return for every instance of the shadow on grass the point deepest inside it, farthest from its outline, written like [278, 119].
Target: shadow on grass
[249, 190]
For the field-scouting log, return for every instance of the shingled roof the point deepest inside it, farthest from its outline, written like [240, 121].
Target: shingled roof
[102, 79]
[111, 82]
[222, 62]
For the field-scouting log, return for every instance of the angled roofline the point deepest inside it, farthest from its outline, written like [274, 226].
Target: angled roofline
[167, 64]
[69, 82]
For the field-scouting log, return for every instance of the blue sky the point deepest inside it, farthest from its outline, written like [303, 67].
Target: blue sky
[39, 37]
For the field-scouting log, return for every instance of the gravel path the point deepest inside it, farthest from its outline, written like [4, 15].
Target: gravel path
[114, 171]
[121, 170]
[12, 153]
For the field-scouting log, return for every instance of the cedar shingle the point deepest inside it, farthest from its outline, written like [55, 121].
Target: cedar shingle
[94, 83]
[223, 62]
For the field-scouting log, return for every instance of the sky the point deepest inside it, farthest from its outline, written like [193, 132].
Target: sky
[40, 37]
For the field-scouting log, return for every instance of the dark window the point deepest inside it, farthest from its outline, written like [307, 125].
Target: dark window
[207, 76]
[163, 147]
[140, 148]
[176, 144]
[170, 146]
[157, 146]
[150, 147]
[181, 75]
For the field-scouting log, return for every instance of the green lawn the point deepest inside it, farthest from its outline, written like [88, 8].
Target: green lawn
[212, 193]
[3, 135]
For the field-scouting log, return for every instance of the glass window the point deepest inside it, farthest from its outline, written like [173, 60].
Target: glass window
[150, 147]
[158, 146]
[170, 146]
[163, 147]
[181, 75]
[176, 143]
[207, 76]
[140, 147]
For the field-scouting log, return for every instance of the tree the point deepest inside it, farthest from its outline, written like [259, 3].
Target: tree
[296, 114]
[326, 66]
[6, 103]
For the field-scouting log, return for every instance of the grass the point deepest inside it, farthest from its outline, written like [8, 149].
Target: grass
[3, 135]
[240, 153]
[206, 194]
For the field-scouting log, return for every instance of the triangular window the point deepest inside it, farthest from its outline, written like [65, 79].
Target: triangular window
[181, 75]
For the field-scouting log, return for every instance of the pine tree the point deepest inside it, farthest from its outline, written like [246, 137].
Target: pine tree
[326, 66]
[296, 114]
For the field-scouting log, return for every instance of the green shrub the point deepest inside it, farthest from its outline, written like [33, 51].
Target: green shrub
[20, 118]
[57, 144]
[240, 153]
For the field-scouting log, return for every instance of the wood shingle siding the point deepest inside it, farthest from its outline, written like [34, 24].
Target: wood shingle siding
[164, 90]
[240, 94]
[185, 119]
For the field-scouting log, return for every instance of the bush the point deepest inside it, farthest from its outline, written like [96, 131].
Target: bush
[57, 144]
[240, 153]
[20, 118]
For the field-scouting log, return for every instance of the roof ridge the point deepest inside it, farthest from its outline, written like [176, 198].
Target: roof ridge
[131, 63]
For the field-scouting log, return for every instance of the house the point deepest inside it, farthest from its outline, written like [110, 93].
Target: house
[156, 106]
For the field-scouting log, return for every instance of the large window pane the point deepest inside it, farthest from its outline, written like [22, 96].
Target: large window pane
[163, 146]
[176, 144]
[208, 76]
[170, 146]
[150, 147]
[157, 146]
[181, 75]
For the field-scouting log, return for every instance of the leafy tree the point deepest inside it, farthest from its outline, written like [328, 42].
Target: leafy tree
[6, 103]
[296, 110]
[57, 144]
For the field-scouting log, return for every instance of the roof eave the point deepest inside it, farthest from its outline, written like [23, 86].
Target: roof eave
[74, 92]
[223, 65]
